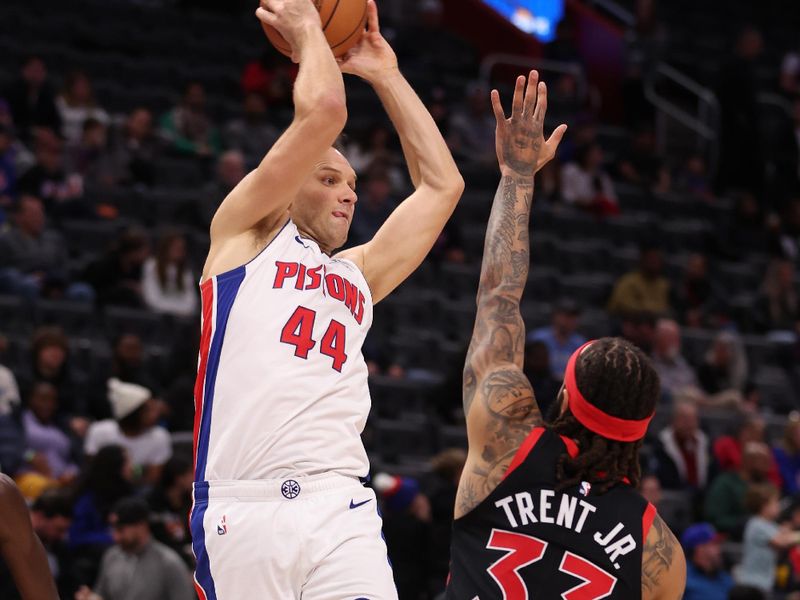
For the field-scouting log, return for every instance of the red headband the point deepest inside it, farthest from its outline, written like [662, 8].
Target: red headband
[594, 419]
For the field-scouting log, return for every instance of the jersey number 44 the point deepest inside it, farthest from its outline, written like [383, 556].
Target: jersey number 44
[299, 330]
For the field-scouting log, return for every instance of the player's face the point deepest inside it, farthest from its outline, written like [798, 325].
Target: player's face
[323, 209]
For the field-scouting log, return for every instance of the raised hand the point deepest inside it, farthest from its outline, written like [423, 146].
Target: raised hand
[372, 57]
[520, 142]
[291, 18]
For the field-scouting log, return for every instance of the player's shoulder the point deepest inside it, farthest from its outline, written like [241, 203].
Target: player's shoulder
[663, 563]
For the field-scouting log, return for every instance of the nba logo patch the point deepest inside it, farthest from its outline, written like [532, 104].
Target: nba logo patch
[222, 526]
[585, 488]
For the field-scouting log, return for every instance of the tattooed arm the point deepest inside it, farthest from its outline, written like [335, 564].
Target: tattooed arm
[663, 564]
[498, 399]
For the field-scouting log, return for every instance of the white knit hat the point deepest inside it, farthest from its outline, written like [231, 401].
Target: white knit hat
[126, 397]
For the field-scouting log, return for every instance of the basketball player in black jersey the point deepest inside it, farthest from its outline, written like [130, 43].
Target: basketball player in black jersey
[546, 512]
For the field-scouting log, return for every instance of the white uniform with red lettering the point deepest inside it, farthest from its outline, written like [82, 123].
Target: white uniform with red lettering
[281, 399]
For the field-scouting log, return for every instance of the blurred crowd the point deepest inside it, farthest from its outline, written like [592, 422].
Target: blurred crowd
[99, 449]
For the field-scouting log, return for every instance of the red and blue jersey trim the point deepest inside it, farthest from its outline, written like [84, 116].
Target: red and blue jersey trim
[218, 295]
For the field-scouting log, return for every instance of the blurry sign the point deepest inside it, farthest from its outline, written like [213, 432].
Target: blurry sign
[537, 17]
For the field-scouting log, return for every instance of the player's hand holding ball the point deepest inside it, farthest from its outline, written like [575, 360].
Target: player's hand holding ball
[520, 142]
[373, 57]
[291, 18]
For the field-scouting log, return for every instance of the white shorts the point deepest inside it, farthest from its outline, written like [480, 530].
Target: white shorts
[309, 538]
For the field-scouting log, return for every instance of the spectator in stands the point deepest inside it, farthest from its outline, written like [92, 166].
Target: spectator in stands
[779, 304]
[585, 184]
[696, 299]
[449, 246]
[33, 257]
[561, 337]
[51, 449]
[9, 390]
[650, 489]
[252, 134]
[763, 538]
[137, 566]
[706, 578]
[135, 149]
[407, 528]
[446, 469]
[170, 502]
[673, 369]
[51, 516]
[446, 54]
[539, 372]
[725, 365]
[50, 364]
[61, 191]
[134, 427]
[8, 171]
[12, 444]
[231, 169]
[272, 77]
[106, 480]
[741, 160]
[724, 503]
[89, 157]
[693, 179]
[188, 128]
[375, 206]
[683, 454]
[744, 233]
[643, 290]
[787, 455]
[790, 74]
[639, 328]
[168, 284]
[640, 164]
[32, 100]
[117, 276]
[472, 127]
[728, 448]
[127, 364]
[785, 240]
[76, 104]
[375, 149]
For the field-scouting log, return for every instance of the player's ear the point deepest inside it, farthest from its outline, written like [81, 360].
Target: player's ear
[563, 399]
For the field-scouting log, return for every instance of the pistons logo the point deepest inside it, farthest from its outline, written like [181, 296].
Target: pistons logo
[290, 489]
[222, 526]
[585, 488]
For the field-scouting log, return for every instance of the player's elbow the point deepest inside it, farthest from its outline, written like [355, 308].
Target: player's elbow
[449, 187]
[327, 113]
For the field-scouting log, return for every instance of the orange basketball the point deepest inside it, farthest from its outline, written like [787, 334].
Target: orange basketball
[343, 22]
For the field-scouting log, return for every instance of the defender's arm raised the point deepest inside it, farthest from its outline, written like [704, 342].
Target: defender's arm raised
[498, 399]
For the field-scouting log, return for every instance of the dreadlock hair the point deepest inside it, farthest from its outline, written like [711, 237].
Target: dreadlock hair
[616, 377]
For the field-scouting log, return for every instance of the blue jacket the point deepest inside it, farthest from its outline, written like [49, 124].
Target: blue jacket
[700, 586]
[789, 468]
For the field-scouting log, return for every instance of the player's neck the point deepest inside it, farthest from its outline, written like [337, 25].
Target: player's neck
[308, 235]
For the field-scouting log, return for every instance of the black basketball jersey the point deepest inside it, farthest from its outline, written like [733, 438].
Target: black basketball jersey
[526, 541]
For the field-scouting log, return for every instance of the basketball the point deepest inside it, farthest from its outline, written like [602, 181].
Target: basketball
[343, 23]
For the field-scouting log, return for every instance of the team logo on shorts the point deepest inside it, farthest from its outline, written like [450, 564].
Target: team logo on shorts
[290, 489]
[586, 487]
[222, 526]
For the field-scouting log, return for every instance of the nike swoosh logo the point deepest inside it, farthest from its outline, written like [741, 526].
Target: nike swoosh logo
[354, 505]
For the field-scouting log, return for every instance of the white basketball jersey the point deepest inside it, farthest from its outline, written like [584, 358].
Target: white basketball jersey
[282, 385]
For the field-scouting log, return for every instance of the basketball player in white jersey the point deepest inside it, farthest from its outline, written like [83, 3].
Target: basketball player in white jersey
[281, 396]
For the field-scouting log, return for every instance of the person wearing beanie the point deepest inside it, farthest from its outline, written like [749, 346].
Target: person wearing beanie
[134, 427]
[407, 528]
[705, 577]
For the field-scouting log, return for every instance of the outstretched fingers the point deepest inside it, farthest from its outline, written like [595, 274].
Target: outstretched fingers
[499, 113]
[530, 94]
[541, 103]
[517, 102]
